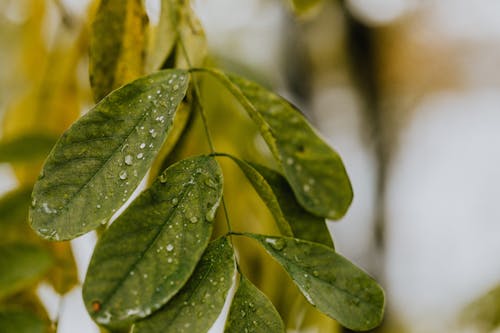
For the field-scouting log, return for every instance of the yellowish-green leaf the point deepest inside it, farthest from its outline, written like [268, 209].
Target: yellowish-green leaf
[21, 265]
[267, 194]
[26, 148]
[302, 7]
[196, 307]
[313, 169]
[484, 313]
[117, 45]
[164, 36]
[20, 321]
[252, 311]
[330, 282]
[304, 224]
[192, 45]
[100, 160]
[151, 250]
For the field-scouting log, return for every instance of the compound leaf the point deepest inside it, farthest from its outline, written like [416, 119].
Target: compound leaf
[314, 170]
[196, 307]
[150, 251]
[304, 224]
[100, 160]
[117, 44]
[252, 311]
[330, 282]
[21, 265]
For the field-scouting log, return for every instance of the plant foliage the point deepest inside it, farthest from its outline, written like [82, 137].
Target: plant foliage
[157, 267]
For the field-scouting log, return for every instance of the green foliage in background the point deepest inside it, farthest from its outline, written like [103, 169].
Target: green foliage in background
[168, 261]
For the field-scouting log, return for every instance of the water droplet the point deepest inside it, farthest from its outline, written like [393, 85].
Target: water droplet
[210, 215]
[98, 206]
[145, 276]
[276, 243]
[306, 188]
[128, 160]
[149, 96]
[142, 146]
[158, 91]
[163, 178]
[152, 132]
[175, 201]
[169, 260]
[169, 247]
[123, 175]
[193, 219]
[140, 155]
[289, 161]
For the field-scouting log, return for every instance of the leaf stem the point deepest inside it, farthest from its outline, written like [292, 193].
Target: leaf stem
[205, 124]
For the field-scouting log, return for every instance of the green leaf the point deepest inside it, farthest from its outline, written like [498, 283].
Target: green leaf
[252, 311]
[164, 36]
[149, 252]
[26, 148]
[100, 160]
[330, 282]
[21, 322]
[304, 224]
[117, 45]
[21, 265]
[314, 170]
[196, 307]
[484, 313]
[267, 194]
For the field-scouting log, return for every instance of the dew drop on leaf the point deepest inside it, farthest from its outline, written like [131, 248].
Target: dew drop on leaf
[169, 247]
[123, 175]
[128, 160]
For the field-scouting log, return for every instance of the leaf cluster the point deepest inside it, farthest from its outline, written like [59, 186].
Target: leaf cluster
[158, 266]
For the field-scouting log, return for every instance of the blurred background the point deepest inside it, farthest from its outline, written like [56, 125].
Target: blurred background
[407, 91]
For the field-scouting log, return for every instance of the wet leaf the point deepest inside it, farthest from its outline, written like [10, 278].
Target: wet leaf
[304, 224]
[330, 282]
[21, 265]
[26, 148]
[196, 307]
[150, 251]
[20, 321]
[117, 45]
[164, 36]
[100, 160]
[180, 123]
[313, 169]
[267, 194]
[252, 311]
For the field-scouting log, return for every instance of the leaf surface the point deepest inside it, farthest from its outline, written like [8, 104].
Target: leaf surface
[117, 45]
[330, 282]
[100, 160]
[314, 170]
[196, 307]
[150, 251]
[21, 265]
[304, 224]
[252, 311]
